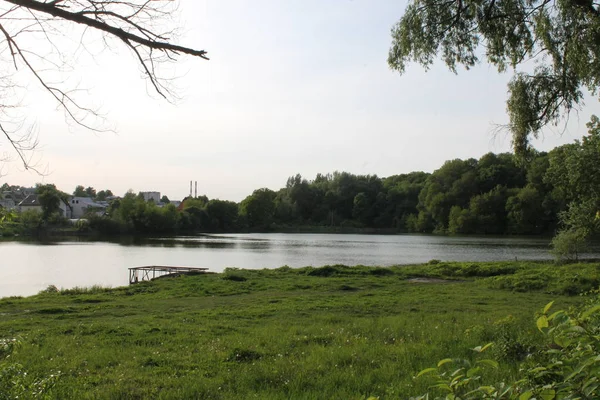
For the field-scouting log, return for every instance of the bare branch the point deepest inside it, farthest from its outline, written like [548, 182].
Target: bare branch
[54, 9]
[132, 22]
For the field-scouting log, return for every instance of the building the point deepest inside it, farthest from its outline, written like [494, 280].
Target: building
[84, 205]
[7, 201]
[155, 196]
[10, 199]
[32, 203]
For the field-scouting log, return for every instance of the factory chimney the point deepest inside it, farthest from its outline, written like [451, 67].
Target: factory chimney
[196, 189]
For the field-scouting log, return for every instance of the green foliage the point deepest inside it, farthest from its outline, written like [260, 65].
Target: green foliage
[258, 208]
[568, 244]
[493, 195]
[561, 35]
[103, 195]
[567, 367]
[49, 198]
[30, 221]
[15, 381]
[574, 171]
[568, 279]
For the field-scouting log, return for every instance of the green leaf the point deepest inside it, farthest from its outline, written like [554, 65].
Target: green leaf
[562, 341]
[481, 349]
[555, 314]
[589, 312]
[473, 371]
[444, 361]
[542, 322]
[443, 386]
[426, 371]
[489, 363]
[548, 394]
[526, 395]
[487, 389]
[548, 307]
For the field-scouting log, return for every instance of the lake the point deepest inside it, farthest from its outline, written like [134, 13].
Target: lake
[27, 267]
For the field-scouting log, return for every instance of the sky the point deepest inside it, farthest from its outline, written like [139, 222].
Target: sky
[300, 86]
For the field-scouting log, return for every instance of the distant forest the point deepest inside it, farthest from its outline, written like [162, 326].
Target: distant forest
[496, 194]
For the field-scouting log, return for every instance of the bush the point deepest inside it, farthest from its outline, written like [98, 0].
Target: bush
[234, 274]
[568, 244]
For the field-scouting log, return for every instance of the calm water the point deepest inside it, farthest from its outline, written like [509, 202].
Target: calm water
[28, 267]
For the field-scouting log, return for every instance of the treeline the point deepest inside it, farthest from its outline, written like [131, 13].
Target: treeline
[132, 214]
[496, 194]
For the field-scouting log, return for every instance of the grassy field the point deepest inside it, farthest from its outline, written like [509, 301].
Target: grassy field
[310, 333]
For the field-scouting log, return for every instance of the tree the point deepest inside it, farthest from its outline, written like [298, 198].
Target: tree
[90, 192]
[103, 194]
[32, 30]
[222, 214]
[79, 191]
[562, 35]
[165, 199]
[574, 171]
[259, 208]
[49, 198]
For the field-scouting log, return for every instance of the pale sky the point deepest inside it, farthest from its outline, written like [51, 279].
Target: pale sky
[295, 86]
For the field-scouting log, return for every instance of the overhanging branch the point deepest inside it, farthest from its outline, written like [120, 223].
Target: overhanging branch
[55, 10]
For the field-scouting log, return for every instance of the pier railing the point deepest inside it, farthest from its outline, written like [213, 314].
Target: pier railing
[139, 274]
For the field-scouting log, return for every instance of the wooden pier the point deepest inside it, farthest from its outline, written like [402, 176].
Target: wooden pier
[139, 274]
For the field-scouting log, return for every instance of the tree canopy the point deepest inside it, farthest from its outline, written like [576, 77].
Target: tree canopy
[562, 36]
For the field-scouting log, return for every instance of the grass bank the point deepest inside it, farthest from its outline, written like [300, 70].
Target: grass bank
[310, 333]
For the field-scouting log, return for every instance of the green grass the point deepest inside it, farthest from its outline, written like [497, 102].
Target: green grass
[310, 333]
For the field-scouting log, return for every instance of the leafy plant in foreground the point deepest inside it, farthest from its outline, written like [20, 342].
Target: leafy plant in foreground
[15, 383]
[568, 368]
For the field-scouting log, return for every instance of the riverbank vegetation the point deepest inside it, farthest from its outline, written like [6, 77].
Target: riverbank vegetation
[308, 333]
[497, 194]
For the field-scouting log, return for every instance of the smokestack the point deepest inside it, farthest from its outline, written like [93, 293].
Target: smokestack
[190, 188]
[196, 189]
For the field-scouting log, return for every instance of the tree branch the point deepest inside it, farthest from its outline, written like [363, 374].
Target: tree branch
[53, 8]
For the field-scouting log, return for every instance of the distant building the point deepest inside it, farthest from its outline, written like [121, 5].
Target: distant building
[32, 203]
[155, 196]
[7, 202]
[10, 199]
[85, 205]
[28, 191]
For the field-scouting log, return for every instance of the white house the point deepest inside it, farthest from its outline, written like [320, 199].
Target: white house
[31, 202]
[84, 205]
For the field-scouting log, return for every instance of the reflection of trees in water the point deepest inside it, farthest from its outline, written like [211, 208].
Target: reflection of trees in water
[188, 244]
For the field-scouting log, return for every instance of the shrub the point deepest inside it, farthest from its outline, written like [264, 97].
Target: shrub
[568, 244]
